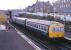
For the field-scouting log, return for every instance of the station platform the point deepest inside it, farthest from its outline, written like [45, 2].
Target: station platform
[10, 40]
[67, 35]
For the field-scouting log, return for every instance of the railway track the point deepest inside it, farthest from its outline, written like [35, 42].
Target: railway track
[66, 43]
[68, 28]
[44, 43]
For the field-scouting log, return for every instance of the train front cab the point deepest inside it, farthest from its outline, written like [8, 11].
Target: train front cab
[56, 31]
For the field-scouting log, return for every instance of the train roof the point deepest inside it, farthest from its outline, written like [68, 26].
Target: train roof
[46, 22]
[21, 18]
[37, 14]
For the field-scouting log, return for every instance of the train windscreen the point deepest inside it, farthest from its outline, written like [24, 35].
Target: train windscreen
[58, 29]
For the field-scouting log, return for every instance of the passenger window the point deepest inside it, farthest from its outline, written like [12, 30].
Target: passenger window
[28, 23]
[41, 27]
[33, 24]
[36, 26]
[45, 28]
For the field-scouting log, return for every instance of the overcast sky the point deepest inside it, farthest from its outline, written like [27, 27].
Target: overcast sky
[18, 4]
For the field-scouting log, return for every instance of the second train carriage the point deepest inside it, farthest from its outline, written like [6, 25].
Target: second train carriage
[19, 20]
[50, 29]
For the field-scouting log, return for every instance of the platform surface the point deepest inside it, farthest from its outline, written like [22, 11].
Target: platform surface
[10, 40]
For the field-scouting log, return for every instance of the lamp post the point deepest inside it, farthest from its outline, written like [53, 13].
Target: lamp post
[43, 8]
[64, 20]
[36, 6]
[54, 13]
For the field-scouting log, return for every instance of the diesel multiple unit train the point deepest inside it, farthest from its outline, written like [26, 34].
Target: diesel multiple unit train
[49, 29]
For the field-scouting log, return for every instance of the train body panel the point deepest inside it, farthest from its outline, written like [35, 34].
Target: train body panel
[37, 32]
[35, 24]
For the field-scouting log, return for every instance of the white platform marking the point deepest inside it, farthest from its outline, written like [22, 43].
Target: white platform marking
[67, 38]
[27, 39]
